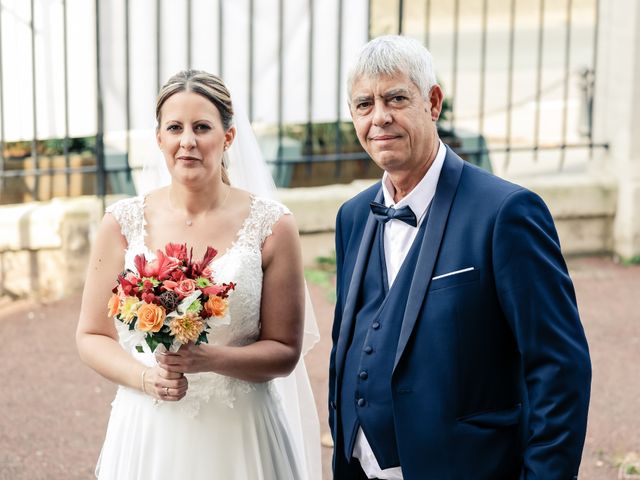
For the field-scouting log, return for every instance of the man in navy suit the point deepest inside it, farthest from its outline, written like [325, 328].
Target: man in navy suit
[458, 352]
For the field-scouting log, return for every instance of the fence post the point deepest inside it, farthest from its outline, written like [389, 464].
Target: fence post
[617, 115]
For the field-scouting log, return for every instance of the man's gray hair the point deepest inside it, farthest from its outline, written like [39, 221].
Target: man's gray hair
[392, 54]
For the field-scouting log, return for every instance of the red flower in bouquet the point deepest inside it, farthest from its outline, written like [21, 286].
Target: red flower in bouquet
[171, 299]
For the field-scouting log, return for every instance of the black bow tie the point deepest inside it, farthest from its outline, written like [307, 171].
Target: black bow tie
[384, 214]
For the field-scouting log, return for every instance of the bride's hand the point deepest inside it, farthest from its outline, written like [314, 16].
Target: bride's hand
[165, 385]
[189, 358]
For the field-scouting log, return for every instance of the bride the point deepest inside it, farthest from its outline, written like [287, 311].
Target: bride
[216, 410]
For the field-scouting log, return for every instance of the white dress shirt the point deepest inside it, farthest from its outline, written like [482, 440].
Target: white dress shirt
[398, 238]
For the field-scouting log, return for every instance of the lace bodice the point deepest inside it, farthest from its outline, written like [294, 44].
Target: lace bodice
[241, 264]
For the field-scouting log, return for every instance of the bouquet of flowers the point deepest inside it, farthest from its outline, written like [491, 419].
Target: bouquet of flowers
[171, 300]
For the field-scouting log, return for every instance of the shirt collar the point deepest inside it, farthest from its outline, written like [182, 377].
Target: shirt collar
[420, 197]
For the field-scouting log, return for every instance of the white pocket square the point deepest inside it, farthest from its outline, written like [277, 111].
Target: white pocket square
[456, 272]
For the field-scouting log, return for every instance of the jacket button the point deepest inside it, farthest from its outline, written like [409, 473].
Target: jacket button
[362, 402]
[375, 325]
[363, 375]
[368, 349]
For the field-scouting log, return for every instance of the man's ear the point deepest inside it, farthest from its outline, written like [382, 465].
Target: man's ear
[436, 97]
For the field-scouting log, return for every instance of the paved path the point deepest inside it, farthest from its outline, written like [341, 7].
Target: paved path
[54, 409]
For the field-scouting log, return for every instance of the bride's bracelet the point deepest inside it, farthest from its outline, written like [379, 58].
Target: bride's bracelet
[144, 372]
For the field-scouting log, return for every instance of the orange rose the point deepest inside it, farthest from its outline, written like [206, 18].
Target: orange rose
[113, 305]
[150, 317]
[215, 306]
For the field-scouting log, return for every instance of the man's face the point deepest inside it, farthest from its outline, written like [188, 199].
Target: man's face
[394, 123]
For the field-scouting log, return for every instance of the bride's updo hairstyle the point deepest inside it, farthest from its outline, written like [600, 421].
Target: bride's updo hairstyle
[210, 87]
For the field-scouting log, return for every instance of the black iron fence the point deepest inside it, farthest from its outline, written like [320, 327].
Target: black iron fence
[518, 75]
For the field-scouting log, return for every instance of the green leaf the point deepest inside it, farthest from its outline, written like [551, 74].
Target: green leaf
[195, 307]
[202, 282]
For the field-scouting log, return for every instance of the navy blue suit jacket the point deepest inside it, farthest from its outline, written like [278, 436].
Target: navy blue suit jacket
[492, 371]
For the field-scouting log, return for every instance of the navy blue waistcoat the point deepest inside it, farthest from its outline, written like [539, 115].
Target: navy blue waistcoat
[365, 398]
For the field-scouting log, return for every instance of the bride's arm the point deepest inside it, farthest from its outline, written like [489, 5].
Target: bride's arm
[277, 351]
[96, 336]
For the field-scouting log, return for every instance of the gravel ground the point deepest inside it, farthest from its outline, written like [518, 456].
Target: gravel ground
[54, 409]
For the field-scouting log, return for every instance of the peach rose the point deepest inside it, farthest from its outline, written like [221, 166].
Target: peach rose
[113, 305]
[215, 306]
[150, 317]
[185, 287]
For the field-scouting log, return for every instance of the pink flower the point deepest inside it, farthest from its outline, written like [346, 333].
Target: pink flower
[198, 267]
[221, 291]
[177, 251]
[207, 273]
[165, 265]
[144, 268]
[185, 287]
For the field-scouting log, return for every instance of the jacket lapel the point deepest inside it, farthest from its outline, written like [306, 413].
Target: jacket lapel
[445, 192]
[351, 299]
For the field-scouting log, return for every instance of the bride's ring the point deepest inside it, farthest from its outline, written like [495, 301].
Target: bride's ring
[166, 391]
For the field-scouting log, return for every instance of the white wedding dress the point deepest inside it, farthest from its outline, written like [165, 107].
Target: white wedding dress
[224, 428]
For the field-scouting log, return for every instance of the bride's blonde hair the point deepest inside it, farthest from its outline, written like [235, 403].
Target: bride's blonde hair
[210, 87]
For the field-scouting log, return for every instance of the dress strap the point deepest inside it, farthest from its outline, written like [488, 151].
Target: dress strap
[129, 213]
[258, 226]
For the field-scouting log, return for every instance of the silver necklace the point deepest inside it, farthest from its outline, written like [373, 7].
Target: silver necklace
[189, 222]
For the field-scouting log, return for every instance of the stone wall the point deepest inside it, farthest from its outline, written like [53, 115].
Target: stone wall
[44, 247]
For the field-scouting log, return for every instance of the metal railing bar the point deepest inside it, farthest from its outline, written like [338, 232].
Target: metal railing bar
[127, 79]
[400, 17]
[66, 171]
[427, 23]
[512, 28]
[338, 139]
[34, 100]
[567, 68]
[538, 100]
[100, 166]
[454, 61]
[2, 132]
[221, 38]
[594, 64]
[460, 151]
[250, 74]
[483, 66]
[526, 148]
[65, 77]
[159, 80]
[305, 159]
[280, 114]
[369, 19]
[310, 59]
[189, 33]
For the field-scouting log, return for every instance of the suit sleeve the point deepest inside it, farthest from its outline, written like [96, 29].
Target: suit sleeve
[538, 299]
[336, 321]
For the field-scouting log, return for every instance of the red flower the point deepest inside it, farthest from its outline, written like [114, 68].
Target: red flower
[177, 275]
[166, 265]
[149, 297]
[199, 267]
[144, 268]
[177, 251]
[221, 291]
[128, 284]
